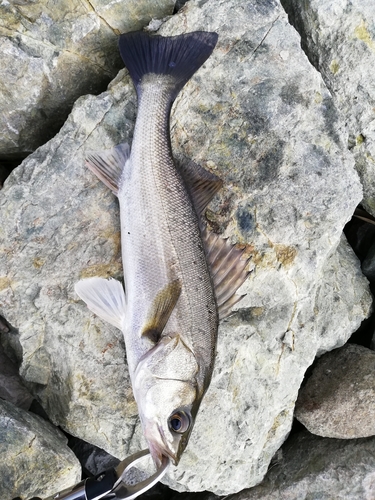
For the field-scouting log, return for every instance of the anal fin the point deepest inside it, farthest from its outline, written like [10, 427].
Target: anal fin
[228, 271]
[108, 165]
[105, 298]
[161, 309]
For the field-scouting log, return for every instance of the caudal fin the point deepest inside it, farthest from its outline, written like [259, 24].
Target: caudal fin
[179, 56]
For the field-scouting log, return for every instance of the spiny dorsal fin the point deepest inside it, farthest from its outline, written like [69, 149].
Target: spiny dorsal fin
[203, 185]
[105, 298]
[228, 270]
[161, 309]
[108, 165]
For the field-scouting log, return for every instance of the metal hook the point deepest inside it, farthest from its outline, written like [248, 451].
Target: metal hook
[111, 484]
[123, 490]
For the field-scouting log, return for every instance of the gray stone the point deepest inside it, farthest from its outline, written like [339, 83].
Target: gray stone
[75, 361]
[338, 400]
[35, 460]
[93, 459]
[368, 265]
[339, 38]
[50, 54]
[259, 116]
[11, 385]
[309, 467]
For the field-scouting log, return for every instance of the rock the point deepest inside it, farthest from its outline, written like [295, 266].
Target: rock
[50, 54]
[35, 460]
[259, 116]
[94, 460]
[308, 466]
[3, 326]
[6, 166]
[11, 385]
[368, 265]
[202, 495]
[338, 400]
[339, 40]
[76, 362]
[361, 236]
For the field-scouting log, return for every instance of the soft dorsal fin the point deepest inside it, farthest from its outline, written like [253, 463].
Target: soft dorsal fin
[108, 165]
[161, 309]
[201, 183]
[228, 270]
[105, 298]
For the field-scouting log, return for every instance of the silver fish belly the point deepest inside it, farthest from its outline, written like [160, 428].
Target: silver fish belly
[179, 278]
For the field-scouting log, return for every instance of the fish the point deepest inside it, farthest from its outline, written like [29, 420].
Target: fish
[180, 279]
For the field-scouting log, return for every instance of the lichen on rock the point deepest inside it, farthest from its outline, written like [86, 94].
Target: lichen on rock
[52, 53]
[338, 37]
[36, 460]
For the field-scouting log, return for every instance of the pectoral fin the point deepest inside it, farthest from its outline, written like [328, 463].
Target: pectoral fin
[105, 298]
[161, 309]
[108, 165]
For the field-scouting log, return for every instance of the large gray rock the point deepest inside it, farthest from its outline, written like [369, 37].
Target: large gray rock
[75, 361]
[35, 460]
[258, 115]
[309, 467]
[53, 52]
[338, 400]
[339, 38]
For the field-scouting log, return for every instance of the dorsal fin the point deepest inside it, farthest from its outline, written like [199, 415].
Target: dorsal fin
[161, 309]
[228, 270]
[108, 165]
[201, 183]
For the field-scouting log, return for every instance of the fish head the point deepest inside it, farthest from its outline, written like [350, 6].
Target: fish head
[168, 421]
[167, 396]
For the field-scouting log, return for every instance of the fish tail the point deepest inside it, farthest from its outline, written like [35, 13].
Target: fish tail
[178, 56]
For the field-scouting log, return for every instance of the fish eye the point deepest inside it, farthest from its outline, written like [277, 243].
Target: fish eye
[179, 421]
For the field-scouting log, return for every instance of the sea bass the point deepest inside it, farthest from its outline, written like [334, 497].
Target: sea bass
[180, 279]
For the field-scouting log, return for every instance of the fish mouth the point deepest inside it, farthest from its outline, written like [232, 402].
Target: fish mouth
[159, 449]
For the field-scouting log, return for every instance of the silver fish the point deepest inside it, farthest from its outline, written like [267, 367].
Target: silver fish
[179, 278]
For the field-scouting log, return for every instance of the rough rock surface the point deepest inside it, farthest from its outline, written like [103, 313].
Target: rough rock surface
[338, 400]
[309, 467]
[258, 115]
[93, 459]
[11, 386]
[35, 460]
[339, 38]
[50, 54]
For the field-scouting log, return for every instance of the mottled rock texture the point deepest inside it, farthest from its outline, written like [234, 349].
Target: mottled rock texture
[35, 460]
[309, 467]
[53, 52]
[338, 400]
[11, 386]
[259, 116]
[339, 39]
